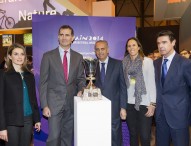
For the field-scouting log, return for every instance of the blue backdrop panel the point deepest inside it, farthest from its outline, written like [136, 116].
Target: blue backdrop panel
[87, 30]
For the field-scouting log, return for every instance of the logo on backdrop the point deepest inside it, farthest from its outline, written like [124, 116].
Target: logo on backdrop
[81, 39]
[14, 15]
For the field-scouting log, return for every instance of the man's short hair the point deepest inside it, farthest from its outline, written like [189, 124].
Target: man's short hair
[66, 27]
[167, 33]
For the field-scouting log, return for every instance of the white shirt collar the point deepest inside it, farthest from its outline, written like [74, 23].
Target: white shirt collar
[170, 57]
[61, 50]
[106, 60]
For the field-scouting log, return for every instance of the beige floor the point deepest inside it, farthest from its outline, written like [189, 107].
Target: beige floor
[153, 130]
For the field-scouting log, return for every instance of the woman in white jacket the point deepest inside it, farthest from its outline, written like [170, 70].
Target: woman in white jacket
[140, 80]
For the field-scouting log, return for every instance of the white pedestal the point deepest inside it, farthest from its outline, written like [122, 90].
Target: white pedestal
[92, 122]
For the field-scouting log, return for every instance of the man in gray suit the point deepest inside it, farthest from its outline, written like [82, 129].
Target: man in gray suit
[61, 78]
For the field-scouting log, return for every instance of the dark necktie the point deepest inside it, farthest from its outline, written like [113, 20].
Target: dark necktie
[164, 71]
[102, 72]
[65, 66]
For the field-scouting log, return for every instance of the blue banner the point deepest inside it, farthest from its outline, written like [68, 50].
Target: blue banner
[87, 30]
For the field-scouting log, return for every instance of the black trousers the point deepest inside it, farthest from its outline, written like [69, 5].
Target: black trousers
[2, 142]
[20, 135]
[139, 125]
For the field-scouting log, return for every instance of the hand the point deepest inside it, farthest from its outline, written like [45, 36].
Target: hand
[46, 112]
[37, 126]
[3, 135]
[79, 94]
[123, 114]
[151, 111]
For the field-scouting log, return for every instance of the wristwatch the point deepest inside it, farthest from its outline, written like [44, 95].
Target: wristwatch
[153, 104]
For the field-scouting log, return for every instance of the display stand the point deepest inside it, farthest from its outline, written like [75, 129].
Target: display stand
[92, 122]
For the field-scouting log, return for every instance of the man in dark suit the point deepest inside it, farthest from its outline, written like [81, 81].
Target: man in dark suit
[173, 81]
[110, 78]
[61, 78]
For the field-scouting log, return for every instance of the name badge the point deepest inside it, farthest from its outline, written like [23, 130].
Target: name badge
[132, 81]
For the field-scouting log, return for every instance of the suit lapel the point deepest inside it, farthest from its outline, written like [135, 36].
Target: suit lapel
[72, 63]
[172, 69]
[98, 80]
[58, 63]
[159, 72]
[108, 71]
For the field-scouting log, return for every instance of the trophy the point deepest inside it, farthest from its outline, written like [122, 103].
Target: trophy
[91, 92]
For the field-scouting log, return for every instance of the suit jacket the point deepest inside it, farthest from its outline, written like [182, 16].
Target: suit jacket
[54, 91]
[114, 87]
[173, 97]
[11, 98]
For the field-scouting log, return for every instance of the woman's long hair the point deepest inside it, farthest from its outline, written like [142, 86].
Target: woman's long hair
[9, 53]
[142, 55]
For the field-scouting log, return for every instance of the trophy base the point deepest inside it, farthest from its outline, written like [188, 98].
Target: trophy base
[92, 94]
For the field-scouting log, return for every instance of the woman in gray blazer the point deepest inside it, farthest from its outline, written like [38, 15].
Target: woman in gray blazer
[18, 104]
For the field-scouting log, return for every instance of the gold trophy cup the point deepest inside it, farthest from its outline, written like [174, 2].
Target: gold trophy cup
[91, 92]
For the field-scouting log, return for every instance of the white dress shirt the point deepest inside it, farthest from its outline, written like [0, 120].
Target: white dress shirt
[106, 63]
[169, 60]
[61, 51]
